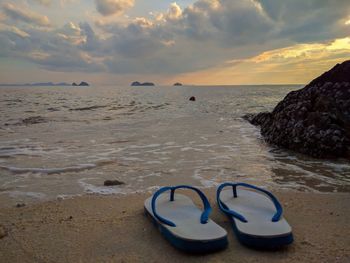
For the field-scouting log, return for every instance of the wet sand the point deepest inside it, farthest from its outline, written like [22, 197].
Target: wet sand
[114, 229]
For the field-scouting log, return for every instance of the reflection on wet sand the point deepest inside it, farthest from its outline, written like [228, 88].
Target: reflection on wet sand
[309, 174]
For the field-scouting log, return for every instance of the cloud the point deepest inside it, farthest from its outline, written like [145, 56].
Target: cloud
[305, 21]
[174, 12]
[25, 15]
[14, 30]
[304, 52]
[2, 16]
[298, 64]
[207, 34]
[43, 2]
[72, 33]
[112, 7]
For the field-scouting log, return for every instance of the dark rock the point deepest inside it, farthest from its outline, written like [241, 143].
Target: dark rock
[136, 83]
[3, 232]
[70, 218]
[88, 108]
[177, 84]
[20, 205]
[193, 98]
[339, 73]
[33, 120]
[314, 120]
[83, 83]
[112, 182]
[52, 109]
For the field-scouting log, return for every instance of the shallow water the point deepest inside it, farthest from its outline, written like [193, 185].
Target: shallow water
[65, 141]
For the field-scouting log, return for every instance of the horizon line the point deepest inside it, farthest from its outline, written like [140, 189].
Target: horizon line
[92, 84]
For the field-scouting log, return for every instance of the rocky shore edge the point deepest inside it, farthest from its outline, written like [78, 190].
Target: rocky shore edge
[314, 120]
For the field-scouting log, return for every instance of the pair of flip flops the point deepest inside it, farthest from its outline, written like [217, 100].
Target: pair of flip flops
[255, 213]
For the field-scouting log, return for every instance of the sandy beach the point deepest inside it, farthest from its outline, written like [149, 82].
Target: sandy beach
[96, 228]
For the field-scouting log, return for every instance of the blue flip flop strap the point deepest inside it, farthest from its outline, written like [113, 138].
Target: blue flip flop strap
[207, 207]
[276, 217]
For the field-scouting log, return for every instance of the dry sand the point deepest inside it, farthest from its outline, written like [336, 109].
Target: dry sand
[114, 229]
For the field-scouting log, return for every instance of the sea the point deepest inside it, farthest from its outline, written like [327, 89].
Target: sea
[61, 142]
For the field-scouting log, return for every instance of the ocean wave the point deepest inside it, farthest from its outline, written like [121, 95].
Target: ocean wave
[77, 168]
[89, 108]
[102, 190]
[35, 195]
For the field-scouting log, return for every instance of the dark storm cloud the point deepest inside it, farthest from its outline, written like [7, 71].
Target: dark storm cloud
[307, 21]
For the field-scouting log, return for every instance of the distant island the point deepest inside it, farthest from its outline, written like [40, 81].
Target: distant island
[83, 83]
[46, 84]
[40, 84]
[136, 83]
[177, 84]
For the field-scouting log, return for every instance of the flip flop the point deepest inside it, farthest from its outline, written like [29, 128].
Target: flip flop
[182, 223]
[256, 216]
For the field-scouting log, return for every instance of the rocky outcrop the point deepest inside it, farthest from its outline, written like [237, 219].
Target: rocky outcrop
[177, 84]
[83, 83]
[136, 83]
[314, 120]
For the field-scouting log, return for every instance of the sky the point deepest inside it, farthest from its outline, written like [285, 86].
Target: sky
[199, 42]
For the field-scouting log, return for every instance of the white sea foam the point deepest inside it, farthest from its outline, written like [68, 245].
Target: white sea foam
[204, 182]
[185, 149]
[153, 188]
[154, 162]
[34, 195]
[154, 145]
[93, 189]
[76, 168]
[8, 151]
[207, 145]
[66, 196]
[134, 159]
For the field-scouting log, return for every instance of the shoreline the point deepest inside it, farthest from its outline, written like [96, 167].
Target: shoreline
[95, 228]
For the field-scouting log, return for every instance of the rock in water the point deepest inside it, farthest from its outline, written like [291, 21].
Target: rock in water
[136, 83]
[314, 120]
[34, 120]
[83, 83]
[3, 232]
[193, 98]
[112, 182]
